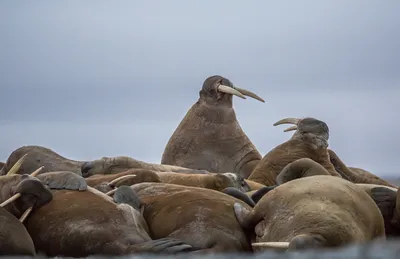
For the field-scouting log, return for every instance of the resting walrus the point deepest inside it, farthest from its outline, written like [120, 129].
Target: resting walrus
[209, 137]
[200, 217]
[87, 222]
[309, 141]
[312, 212]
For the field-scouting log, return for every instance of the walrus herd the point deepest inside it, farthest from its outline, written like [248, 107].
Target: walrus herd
[213, 192]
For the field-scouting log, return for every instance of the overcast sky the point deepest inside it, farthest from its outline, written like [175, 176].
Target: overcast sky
[107, 78]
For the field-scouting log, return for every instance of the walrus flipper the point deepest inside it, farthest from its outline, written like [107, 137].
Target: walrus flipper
[63, 180]
[163, 245]
[234, 192]
[125, 194]
[261, 192]
[386, 201]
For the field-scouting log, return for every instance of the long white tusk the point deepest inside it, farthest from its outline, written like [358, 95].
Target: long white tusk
[26, 214]
[230, 90]
[290, 128]
[279, 245]
[14, 169]
[13, 198]
[37, 171]
[121, 178]
[249, 93]
[111, 192]
[287, 121]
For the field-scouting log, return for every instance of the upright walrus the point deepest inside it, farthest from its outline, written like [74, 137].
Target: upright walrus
[209, 137]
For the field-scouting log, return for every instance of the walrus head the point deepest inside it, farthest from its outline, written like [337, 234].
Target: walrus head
[308, 127]
[21, 193]
[217, 89]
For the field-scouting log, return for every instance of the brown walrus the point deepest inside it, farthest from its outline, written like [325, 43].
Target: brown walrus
[200, 217]
[313, 212]
[209, 137]
[87, 222]
[212, 181]
[113, 165]
[14, 238]
[107, 182]
[309, 141]
[34, 157]
[355, 175]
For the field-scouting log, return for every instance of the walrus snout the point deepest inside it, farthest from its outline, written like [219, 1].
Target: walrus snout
[85, 169]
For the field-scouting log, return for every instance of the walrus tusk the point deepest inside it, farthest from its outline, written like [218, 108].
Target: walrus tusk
[13, 198]
[121, 178]
[14, 169]
[290, 128]
[279, 245]
[26, 214]
[230, 90]
[37, 171]
[249, 93]
[111, 192]
[287, 121]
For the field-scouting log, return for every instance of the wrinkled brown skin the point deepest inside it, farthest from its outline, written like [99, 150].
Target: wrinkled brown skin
[119, 164]
[316, 211]
[83, 223]
[212, 181]
[2, 164]
[355, 175]
[254, 185]
[209, 137]
[100, 181]
[40, 156]
[33, 192]
[299, 146]
[200, 217]
[386, 198]
[303, 167]
[14, 238]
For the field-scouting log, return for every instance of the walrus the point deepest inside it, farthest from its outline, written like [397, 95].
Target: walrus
[82, 221]
[107, 182]
[19, 195]
[309, 141]
[14, 238]
[119, 164]
[209, 137]
[212, 181]
[2, 164]
[313, 212]
[388, 200]
[202, 218]
[354, 174]
[33, 157]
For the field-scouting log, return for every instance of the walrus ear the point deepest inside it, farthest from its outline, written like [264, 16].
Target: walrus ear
[63, 180]
[386, 201]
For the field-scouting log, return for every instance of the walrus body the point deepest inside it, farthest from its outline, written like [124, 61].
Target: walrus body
[275, 161]
[315, 211]
[212, 181]
[83, 223]
[355, 175]
[209, 137]
[309, 141]
[37, 156]
[119, 164]
[14, 238]
[200, 217]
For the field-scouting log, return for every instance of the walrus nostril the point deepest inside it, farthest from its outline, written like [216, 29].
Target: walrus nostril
[85, 168]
